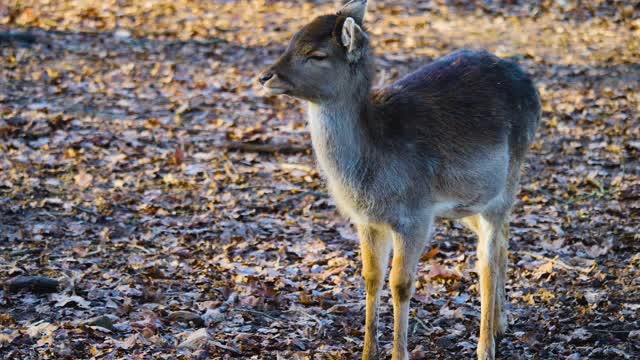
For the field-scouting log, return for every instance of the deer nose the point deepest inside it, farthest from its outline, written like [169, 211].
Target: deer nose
[264, 77]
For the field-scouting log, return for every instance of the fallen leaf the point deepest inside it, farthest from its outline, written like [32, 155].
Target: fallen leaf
[596, 251]
[7, 338]
[83, 179]
[544, 269]
[438, 271]
[128, 343]
[431, 254]
[450, 314]
[64, 300]
[41, 329]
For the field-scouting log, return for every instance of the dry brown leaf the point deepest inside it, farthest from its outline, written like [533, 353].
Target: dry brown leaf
[441, 272]
[128, 343]
[41, 329]
[544, 269]
[431, 253]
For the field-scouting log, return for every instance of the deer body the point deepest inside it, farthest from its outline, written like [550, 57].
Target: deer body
[394, 152]
[447, 140]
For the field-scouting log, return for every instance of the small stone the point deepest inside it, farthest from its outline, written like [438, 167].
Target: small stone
[447, 342]
[186, 317]
[122, 34]
[102, 321]
[418, 353]
[213, 316]
[196, 340]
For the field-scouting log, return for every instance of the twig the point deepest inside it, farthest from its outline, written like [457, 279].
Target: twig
[337, 307]
[293, 198]
[256, 312]
[207, 42]
[87, 210]
[265, 148]
[320, 327]
[225, 347]
[422, 323]
[382, 80]
[300, 196]
[610, 331]
[289, 167]
[138, 247]
[594, 194]
[556, 261]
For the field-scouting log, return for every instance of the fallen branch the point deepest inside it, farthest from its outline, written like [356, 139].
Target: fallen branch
[265, 148]
[610, 331]
[36, 284]
[21, 37]
[556, 261]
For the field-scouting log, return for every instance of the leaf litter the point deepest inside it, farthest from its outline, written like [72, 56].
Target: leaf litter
[172, 212]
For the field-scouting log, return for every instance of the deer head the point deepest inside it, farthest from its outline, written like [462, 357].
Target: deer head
[327, 59]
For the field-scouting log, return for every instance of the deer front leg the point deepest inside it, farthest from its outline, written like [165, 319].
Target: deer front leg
[375, 245]
[407, 249]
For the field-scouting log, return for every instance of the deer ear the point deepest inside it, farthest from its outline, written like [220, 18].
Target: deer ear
[357, 9]
[354, 39]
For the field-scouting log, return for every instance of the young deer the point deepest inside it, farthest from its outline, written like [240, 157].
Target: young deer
[447, 141]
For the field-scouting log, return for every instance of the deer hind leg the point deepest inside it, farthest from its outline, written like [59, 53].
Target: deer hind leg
[490, 235]
[500, 314]
[375, 246]
[407, 249]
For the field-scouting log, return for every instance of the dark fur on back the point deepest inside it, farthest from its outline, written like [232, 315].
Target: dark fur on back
[457, 103]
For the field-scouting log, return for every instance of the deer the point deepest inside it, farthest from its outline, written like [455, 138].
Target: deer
[446, 141]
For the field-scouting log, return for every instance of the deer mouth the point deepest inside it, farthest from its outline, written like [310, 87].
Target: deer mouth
[272, 90]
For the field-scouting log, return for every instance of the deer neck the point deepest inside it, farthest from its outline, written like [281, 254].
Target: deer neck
[340, 137]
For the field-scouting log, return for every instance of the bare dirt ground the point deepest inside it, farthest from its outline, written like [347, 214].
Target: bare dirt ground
[178, 214]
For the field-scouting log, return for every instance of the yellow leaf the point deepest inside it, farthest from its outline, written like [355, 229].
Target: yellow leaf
[53, 73]
[614, 149]
[546, 268]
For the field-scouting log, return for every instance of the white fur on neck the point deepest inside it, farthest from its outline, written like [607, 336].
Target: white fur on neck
[337, 142]
[336, 137]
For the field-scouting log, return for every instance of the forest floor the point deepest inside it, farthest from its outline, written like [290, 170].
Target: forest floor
[127, 183]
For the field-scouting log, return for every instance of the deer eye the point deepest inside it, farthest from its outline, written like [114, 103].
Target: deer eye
[317, 56]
